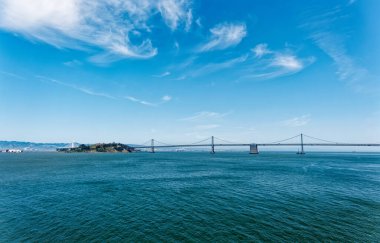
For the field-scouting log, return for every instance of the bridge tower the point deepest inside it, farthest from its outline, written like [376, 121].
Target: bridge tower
[152, 146]
[212, 145]
[302, 150]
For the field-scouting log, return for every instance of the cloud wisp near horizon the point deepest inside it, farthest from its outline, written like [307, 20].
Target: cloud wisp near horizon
[88, 91]
[205, 115]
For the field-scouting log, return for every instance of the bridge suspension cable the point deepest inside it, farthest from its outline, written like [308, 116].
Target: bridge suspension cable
[286, 139]
[226, 141]
[204, 140]
[144, 143]
[323, 140]
[163, 143]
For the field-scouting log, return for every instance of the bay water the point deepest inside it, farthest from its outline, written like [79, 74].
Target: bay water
[192, 197]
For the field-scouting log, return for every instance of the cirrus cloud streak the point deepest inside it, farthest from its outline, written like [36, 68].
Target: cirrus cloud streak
[223, 36]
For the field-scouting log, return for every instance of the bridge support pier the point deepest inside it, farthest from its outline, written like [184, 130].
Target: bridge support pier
[253, 149]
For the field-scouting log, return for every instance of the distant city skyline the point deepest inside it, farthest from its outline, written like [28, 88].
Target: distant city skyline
[180, 71]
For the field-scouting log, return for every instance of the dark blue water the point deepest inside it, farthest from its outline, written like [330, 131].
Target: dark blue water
[190, 197]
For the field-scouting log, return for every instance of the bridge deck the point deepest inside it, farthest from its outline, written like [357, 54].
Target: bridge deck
[262, 144]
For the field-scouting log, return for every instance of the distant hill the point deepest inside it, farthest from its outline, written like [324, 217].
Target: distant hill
[30, 146]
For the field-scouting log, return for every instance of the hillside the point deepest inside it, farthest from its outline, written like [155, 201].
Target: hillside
[31, 146]
[99, 148]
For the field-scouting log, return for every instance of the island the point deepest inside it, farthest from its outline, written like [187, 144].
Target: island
[99, 148]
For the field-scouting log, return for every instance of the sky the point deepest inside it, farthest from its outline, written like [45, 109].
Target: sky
[183, 70]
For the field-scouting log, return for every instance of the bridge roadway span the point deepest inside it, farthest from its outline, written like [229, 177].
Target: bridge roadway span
[253, 147]
[261, 144]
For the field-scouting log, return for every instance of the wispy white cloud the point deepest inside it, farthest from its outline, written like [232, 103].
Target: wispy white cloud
[175, 11]
[176, 46]
[223, 36]
[188, 62]
[297, 121]
[73, 63]
[142, 102]
[78, 88]
[259, 64]
[182, 77]
[322, 26]
[198, 22]
[164, 99]
[205, 115]
[189, 20]
[194, 134]
[206, 127]
[333, 46]
[261, 50]
[87, 24]
[162, 75]
[214, 67]
[88, 91]
[269, 64]
[289, 62]
[178, 70]
[11, 75]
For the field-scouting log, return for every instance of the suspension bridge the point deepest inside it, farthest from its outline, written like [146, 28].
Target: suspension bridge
[213, 142]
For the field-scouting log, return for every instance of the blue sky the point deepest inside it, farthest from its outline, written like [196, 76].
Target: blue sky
[180, 71]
